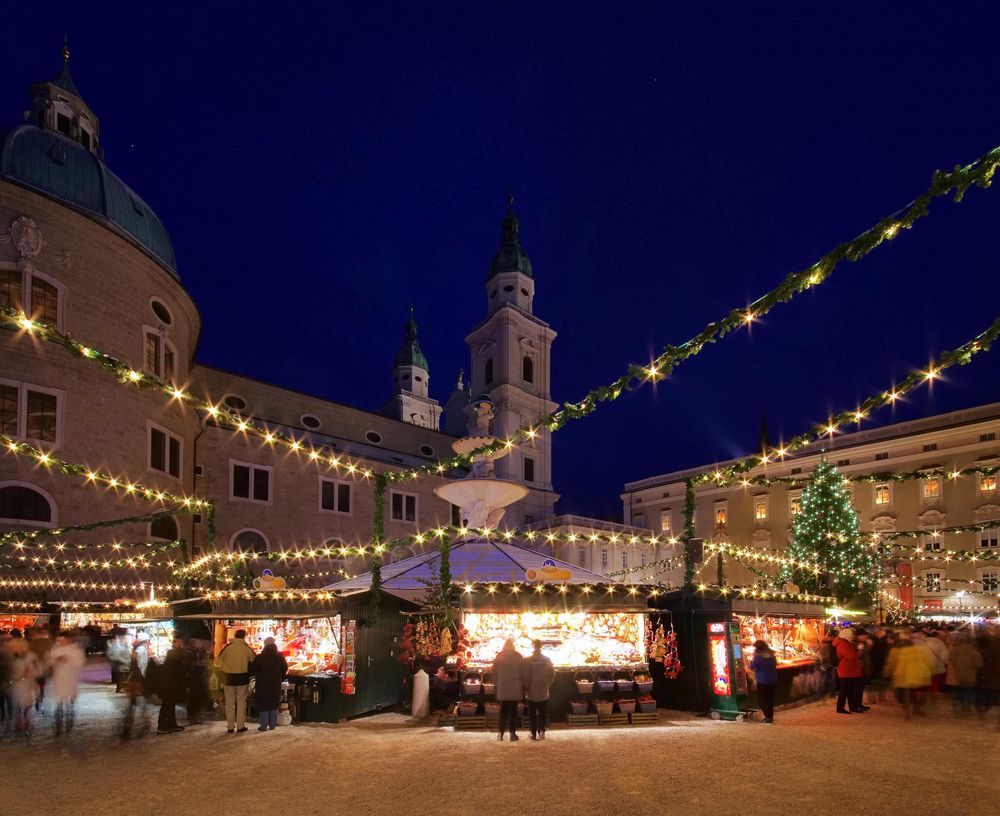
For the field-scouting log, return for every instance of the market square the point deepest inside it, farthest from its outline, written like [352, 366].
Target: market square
[702, 502]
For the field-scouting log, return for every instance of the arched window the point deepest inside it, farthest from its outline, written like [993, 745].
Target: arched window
[249, 541]
[20, 502]
[401, 553]
[528, 369]
[164, 528]
[488, 371]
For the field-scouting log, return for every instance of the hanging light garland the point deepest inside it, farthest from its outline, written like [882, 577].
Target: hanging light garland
[53, 583]
[48, 562]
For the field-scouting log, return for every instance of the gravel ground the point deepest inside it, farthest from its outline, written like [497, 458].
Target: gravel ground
[811, 762]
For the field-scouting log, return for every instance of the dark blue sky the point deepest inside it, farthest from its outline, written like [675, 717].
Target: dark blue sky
[320, 167]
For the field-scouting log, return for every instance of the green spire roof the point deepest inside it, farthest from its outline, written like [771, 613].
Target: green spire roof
[409, 353]
[511, 257]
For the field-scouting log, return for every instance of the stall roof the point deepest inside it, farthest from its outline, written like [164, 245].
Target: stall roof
[472, 562]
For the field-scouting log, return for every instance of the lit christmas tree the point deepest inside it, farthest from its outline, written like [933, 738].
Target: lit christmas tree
[825, 532]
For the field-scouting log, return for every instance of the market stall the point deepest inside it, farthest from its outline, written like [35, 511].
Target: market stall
[716, 637]
[158, 626]
[20, 621]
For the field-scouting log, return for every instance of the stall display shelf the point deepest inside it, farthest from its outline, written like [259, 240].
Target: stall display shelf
[644, 718]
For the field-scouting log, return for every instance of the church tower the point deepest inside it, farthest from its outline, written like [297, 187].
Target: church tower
[510, 363]
[57, 105]
[411, 400]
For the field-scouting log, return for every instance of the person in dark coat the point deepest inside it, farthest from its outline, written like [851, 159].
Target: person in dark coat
[196, 670]
[508, 676]
[538, 676]
[269, 669]
[764, 668]
[171, 688]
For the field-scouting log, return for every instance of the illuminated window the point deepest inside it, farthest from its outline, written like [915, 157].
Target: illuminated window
[760, 509]
[988, 484]
[250, 482]
[164, 451]
[932, 581]
[403, 506]
[989, 537]
[990, 579]
[721, 516]
[883, 494]
[794, 503]
[666, 525]
[334, 496]
[930, 488]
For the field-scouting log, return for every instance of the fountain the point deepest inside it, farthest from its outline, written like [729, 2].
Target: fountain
[481, 498]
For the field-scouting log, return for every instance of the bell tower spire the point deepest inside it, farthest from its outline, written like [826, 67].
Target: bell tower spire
[57, 105]
[510, 277]
[411, 400]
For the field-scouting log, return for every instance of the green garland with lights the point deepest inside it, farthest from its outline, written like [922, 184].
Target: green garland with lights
[378, 531]
[20, 536]
[689, 534]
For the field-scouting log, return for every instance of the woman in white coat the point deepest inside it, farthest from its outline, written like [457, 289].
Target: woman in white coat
[24, 671]
[67, 660]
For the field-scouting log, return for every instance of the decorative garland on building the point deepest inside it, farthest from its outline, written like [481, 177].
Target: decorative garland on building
[20, 537]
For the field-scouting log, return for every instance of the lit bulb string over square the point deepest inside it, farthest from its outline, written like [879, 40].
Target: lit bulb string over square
[980, 172]
[40, 536]
[21, 558]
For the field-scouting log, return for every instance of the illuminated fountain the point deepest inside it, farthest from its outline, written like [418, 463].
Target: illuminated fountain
[481, 498]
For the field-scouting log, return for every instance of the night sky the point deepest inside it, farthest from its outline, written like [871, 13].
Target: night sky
[321, 167]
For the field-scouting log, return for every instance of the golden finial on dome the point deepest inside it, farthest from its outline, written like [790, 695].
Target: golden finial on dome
[65, 47]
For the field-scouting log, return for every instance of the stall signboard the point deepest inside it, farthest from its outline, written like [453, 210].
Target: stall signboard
[719, 652]
[348, 685]
[549, 571]
[268, 582]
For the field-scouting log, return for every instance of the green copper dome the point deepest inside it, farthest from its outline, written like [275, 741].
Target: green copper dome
[61, 169]
[511, 257]
[409, 353]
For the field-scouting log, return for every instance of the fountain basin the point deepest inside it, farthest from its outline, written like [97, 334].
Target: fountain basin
[492, 492]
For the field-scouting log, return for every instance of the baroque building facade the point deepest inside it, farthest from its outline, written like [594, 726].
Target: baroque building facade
[757, 516]
[82, 252]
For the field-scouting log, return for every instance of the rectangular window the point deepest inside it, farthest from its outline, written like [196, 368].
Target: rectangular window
[932, 581]
[529, 469]
[991, 580]
[164, 452]
[11, 296]
[931, 447]
[250, 482]
[988, 484]
[843, 462]
[604, 557]
[152, 361]
[930, 489]
[403, 506]
[988, 538]
[642, 558]
[760, 509]
[794, 503]
[796, 470]
[62, 124]
[883, 494]
[456, 516]
[581, 556]
[987, 437]
[85, 139]
[44, 302]
[8, 410]
[168, 363]
[932, 541]
[335, 497]
[721, 516]
[666, 524]
[624, 560]
[529, 518]
[639, 520]
[879, 457]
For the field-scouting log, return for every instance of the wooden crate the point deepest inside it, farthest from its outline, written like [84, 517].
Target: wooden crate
[639, 718]
[614, 719]
[581, 720]
[470, 723]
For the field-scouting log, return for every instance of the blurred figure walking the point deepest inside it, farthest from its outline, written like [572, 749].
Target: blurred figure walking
[24, 674]
[40, 645]
[67, 660]
[909, 669]
[196, 669]
[964, 665]
[118, 652]
[171, 688]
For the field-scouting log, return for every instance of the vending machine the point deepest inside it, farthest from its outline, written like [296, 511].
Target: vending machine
[728, 673]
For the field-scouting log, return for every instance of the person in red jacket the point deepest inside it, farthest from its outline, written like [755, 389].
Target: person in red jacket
[849, 673]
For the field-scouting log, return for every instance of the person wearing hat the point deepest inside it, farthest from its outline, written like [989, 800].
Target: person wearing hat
[234, 662]
[269, 669]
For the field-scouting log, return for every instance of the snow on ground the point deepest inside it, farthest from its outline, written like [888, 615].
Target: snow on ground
[812, 761]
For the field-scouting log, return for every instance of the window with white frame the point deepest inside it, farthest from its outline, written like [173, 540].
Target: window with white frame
[581, 556]
[22, 503]
[639, 520]
[931, 540]
[930, 488]
[760, 508]
[250, 541]
[164, 451]
[624, 559]
[250, 482]
[529, 469]
[159, 357]
[990, 576]
[30, 412]
[883, 494]
[33, 293]
[666, 522]
[403, 506]
[604, 557]
[932, 581]
[721, 515]
[989, 537]
[988, 483]
[642, 558]
[794, 503]
[334, 496]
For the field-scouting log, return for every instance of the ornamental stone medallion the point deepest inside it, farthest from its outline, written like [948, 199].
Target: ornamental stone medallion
[986, 512]
[884, 524]
[26, 236]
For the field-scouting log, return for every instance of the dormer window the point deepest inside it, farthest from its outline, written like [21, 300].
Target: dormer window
[63, 124]
[85, 138]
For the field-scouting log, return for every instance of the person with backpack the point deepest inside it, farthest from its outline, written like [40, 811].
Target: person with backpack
[234, 661]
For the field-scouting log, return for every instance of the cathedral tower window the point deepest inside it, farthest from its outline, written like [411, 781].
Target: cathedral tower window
[529, 469]
[528, 369]
[488, 371]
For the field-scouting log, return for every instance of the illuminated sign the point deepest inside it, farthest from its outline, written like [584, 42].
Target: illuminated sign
[717, 627]
[720, 664]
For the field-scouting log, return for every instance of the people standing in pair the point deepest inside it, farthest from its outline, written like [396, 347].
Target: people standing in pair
[171, 688]
[67, 660]
[539, 673]
[909, 669]
[849, 674]
[964, 664]
[509, 677]
[234, 662]
[764, 668]
[118, 652]
[196, 671]
[269, 669]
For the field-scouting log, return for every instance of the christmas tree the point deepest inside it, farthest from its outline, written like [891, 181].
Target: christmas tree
[825, 532]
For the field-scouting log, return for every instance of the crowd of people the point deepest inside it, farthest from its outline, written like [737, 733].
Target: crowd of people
[920, 665]
[40, 673]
